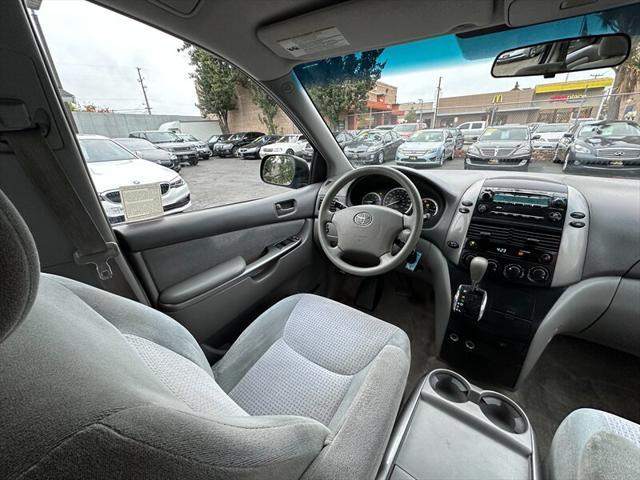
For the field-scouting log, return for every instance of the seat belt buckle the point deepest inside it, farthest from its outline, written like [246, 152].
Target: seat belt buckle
[100, 260]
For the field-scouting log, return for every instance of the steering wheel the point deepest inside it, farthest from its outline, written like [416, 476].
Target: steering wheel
[370, 230]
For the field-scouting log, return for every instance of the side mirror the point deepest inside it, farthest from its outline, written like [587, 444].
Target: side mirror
[568, 135]
[475, 139]
[536, 137]
[285, 171]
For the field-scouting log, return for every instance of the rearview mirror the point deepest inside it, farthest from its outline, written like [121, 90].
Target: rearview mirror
[563, 56]
[284, 171]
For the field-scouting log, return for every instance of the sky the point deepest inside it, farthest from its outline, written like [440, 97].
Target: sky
[96, 53]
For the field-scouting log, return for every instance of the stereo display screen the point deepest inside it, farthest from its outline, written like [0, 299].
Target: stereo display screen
[521, 199]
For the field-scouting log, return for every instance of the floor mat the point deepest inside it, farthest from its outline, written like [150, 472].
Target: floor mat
[571, 373]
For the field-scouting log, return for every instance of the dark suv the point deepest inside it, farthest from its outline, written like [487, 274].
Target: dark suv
[230, 147]
[605, 147]
[504, 147]
[169, 141]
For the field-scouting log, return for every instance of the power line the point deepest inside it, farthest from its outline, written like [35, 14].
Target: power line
[144, 90]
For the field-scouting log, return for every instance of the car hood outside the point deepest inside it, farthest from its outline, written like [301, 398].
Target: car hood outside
[421, 145]
[500, 143]
[113, 175]
[153, 154]
[597, 142]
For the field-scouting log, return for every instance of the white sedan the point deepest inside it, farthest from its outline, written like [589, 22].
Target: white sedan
[112, 167]
[292, 144]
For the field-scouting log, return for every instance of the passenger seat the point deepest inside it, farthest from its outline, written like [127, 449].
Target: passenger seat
[592, 445]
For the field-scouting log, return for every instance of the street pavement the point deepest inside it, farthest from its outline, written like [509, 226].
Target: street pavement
[221, 181]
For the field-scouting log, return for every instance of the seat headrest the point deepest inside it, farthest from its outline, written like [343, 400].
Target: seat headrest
[613, 47]
[19, 268]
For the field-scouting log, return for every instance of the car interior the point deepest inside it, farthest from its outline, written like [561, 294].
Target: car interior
[373, 322]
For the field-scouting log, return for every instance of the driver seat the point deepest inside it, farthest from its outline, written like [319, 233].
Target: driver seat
[97, 386]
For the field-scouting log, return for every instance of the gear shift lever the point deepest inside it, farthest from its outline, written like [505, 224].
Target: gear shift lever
[477, 269]
[470, 300]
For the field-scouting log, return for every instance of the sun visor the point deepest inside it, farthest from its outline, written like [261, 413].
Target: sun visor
[359, 25]
[528, 12]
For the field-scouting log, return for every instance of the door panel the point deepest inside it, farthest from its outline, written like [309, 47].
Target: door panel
[213, 269]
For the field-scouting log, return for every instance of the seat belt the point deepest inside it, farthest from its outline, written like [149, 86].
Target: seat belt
[42, 167]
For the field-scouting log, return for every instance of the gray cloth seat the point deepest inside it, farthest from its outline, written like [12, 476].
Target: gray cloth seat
[97, 386]
[592, 445]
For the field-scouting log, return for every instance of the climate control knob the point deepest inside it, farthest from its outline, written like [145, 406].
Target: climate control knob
[513, 271]
[494, 266]
[486, 195]
[558, 202]
[538, 274]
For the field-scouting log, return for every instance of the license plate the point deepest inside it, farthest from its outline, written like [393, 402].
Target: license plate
[616, 163]
[413, 157]
[493, 161]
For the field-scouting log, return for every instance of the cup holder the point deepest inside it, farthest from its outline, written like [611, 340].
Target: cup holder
[503, 413]
[449, 386]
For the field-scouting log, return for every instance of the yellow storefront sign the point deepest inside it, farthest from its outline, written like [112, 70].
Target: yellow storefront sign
[574, 85]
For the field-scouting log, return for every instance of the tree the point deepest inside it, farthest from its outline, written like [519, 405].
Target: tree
[216, 82]
[341, 84]
[410, 116]
[265, 103]
[627, 74]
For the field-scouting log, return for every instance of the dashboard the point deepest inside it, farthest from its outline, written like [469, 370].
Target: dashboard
[377, 190]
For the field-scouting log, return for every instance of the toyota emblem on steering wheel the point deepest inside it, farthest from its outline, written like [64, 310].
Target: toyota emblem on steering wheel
[363, 219]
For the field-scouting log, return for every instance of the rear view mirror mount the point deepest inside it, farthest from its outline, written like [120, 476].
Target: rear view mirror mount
[563, 56]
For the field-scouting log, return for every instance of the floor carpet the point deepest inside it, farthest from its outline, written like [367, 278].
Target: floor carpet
[571, 373]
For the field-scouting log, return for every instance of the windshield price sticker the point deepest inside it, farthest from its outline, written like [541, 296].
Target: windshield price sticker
[314, 42]
[141, 202]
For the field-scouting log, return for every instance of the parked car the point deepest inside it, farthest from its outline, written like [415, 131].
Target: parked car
[373, 146]
[252, 150]
[605, 147]
[201, 147]
[458, 138]
[472, 130]
[568, 137]
[503, 147]
[292, 144]
[213, 139]
[426, 148]
[231, 146]
[170, 142]
[112, 167]
[547, 136]
[148, 151]
[405, 130]
[533, 126]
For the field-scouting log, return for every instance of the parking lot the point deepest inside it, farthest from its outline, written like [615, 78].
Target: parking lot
[221, 181]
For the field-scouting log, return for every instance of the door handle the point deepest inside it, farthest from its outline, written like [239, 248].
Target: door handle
[285, 208]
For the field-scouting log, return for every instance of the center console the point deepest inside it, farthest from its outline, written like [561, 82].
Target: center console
[451, 429]
[529, 237]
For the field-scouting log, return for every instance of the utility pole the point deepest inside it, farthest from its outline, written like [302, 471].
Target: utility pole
[144, 90]
[421, 108]
[435, 105]
[595, 76]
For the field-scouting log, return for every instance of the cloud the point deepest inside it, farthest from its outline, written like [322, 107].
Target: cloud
[96, 53]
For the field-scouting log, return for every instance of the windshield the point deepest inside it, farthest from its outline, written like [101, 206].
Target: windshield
[553, 128]
[103, 150]
[504, 134]
[162, 137]
[369, 137]
[446, 82]
[434, 136]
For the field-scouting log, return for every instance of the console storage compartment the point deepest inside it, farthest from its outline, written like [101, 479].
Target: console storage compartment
[454, 430]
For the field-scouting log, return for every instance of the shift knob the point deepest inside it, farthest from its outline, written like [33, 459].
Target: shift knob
[477, 269]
